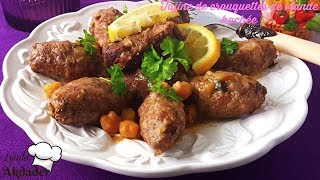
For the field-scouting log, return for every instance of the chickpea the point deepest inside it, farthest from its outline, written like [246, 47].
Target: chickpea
[113, 115]
[110, 122]
[128, 114]
[50, 88]
[129, 129]
[165, 85]
[183, 89]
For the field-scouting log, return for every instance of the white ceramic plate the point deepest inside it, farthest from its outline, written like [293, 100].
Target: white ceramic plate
[217, 146]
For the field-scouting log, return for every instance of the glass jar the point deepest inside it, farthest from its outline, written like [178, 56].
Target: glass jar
[288, 16]
[25, 15]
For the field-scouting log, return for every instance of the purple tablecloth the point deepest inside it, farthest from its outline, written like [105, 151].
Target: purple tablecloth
[296, 158]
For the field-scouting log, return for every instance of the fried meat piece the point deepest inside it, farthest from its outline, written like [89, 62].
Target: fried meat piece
[252, 57]
[84, 101]
[100, 22]
[137, 84]
[226, 94]
[104, 17]
[133, 47]
[161, 121]
[63, 61]
[182, 18]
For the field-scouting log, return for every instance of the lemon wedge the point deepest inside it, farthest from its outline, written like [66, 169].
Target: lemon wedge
[203, 47]
[134, 21]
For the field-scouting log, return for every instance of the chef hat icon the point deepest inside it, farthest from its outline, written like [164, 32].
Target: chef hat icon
[45, 154]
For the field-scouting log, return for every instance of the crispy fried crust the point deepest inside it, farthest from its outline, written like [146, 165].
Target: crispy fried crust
[128, 52]
[252, 57]
[137, 84]
[84, 101]
[161, 121]
[63, 61]
[182, 18]
[100, 22]
[226, 94]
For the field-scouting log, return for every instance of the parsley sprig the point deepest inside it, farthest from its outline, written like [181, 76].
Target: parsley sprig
[228, 47]
[168, 93]
[88, 42]
[177, 51]
[161, 68]
[125, 9]
[116, 17]
[155, 68]
[117, 80]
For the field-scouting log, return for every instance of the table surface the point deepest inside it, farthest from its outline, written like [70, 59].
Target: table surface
[296, 158]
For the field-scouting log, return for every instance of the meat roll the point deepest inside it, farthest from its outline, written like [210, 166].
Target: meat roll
[183, 17]
[100, 22]
[84, 101]
[133, 47]
[161, 121]
[137, 84]
[104, 17]
[252, 57]
[64, 61]
[227, 94]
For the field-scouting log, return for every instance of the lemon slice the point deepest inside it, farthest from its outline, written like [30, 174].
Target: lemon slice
[203, 47]
[134, 21]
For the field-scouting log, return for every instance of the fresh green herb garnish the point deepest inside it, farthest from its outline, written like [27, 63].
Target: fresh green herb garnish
[155, 68]
[88, 42]
[125, 9]
[177, 51]
[228, 47]
[291, 24]
[161, 68]
[116, 17]
[168, 93]
[117, 80]
[158, 69]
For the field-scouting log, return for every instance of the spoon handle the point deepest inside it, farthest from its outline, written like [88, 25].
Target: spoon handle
[303, 49]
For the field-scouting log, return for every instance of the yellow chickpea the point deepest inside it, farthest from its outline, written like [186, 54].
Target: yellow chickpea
[165, 85]
[110, 122]
[128, 114]
[129, 129]
[183, 89]
[113, 115]
[50, 88]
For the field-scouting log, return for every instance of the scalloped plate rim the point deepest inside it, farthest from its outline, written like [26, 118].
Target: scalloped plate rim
[265, 144]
